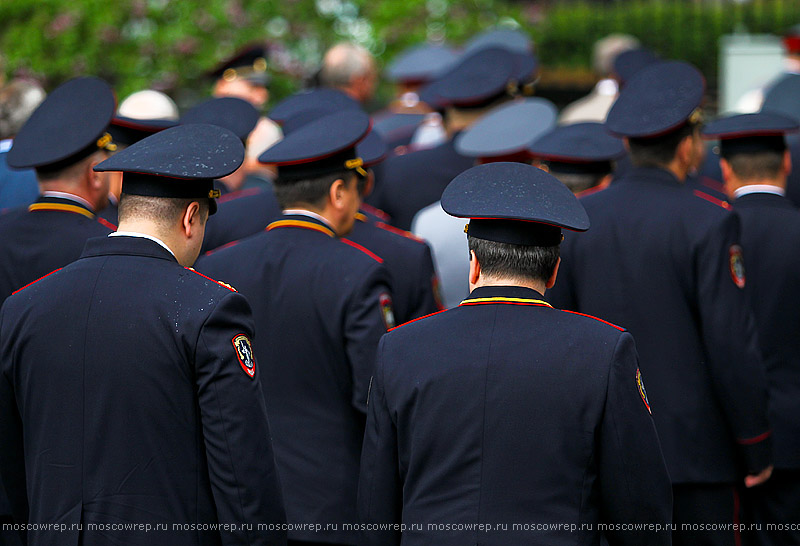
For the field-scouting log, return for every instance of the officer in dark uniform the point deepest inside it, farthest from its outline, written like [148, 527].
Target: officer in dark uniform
[63, 139]
[479, 82]
[755, 163]
[321, 303]
[129, 386]
[580, 155]
[495, 419]
[406, 257]
[666, 265]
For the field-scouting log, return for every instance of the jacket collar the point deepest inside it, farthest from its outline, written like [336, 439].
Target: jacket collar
[301, 221]
[52, 203]
[505, 294]
[763, 199]
[125, 246]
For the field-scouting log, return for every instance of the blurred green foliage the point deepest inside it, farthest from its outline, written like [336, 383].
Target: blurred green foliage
[679, 29]
[170, 44]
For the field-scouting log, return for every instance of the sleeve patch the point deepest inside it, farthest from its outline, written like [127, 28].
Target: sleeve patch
[386, 310]
[737, 265]
[642, 391]
[244, 352]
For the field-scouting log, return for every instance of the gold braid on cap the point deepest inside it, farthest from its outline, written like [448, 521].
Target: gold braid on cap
[357, 165]
[259, 65]
[105, 142]
[696, 117]
[214, 194]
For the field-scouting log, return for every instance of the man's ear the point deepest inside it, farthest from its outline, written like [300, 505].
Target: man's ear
[686, 150]
[474, 268]
[191, 220]
[727, 171]
[337, 192]
[95, 179]
[551, 282]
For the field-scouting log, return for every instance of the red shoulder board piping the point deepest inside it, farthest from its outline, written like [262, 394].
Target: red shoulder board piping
[363, 249]
[712, 199]
[226, 245]
[375, 211]
[37, 280]
[416, 319]
[398, 231]
[106, 223]
[237, 194]
[223, 284]
[595, 318]
[592, 190]
[754, 439]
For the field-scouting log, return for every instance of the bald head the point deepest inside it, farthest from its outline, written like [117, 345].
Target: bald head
[351, 69]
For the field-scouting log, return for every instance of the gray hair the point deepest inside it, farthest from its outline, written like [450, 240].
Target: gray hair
[344, 62]
[18, 100]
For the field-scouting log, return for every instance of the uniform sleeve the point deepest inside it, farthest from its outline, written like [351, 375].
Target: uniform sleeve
[428, 297]
[634, 483]
[241, 463]
[379, 488]
[737, 372]
[13, 493]
[369, 316]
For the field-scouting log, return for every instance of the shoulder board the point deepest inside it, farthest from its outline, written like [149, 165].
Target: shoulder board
[37, 280]
[398, 231]
[416, 319]
[226, 245]
[363, 249]
[223, 284]
[621, 329]
[712, 199]
[591, 191]
[106, 223]
[375, 211]
[237, 194]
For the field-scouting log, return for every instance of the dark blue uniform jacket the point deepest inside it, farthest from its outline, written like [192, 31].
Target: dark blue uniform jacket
[122, 386]
[664, 264]
[319, 306]
[770, 228]
[47, 235]
[506, 413]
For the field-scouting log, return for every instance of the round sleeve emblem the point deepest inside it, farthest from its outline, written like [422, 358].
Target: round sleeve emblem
[737, 265]
[244, 352]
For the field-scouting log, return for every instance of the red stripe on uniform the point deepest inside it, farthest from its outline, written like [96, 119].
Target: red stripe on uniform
[595, 318]
[754, 439]
[37, 280]
[210, 279]
[712, 199]
[416, 319]
[106, 223]
[364, 250]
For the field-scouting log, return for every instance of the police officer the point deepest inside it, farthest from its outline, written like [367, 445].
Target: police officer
[666, 265]
[321, 304]
[129, 386]
[506, 413]
[503, 134]
[580, 155]
[755, 163]
[63, 139]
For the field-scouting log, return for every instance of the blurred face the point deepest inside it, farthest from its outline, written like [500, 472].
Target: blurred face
[254, 94]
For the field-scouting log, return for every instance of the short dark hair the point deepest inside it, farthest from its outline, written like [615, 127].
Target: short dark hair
[578, 182]
[658, 151]
[758, 165]
[311, 191]
[519, 262]
[164, 210]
